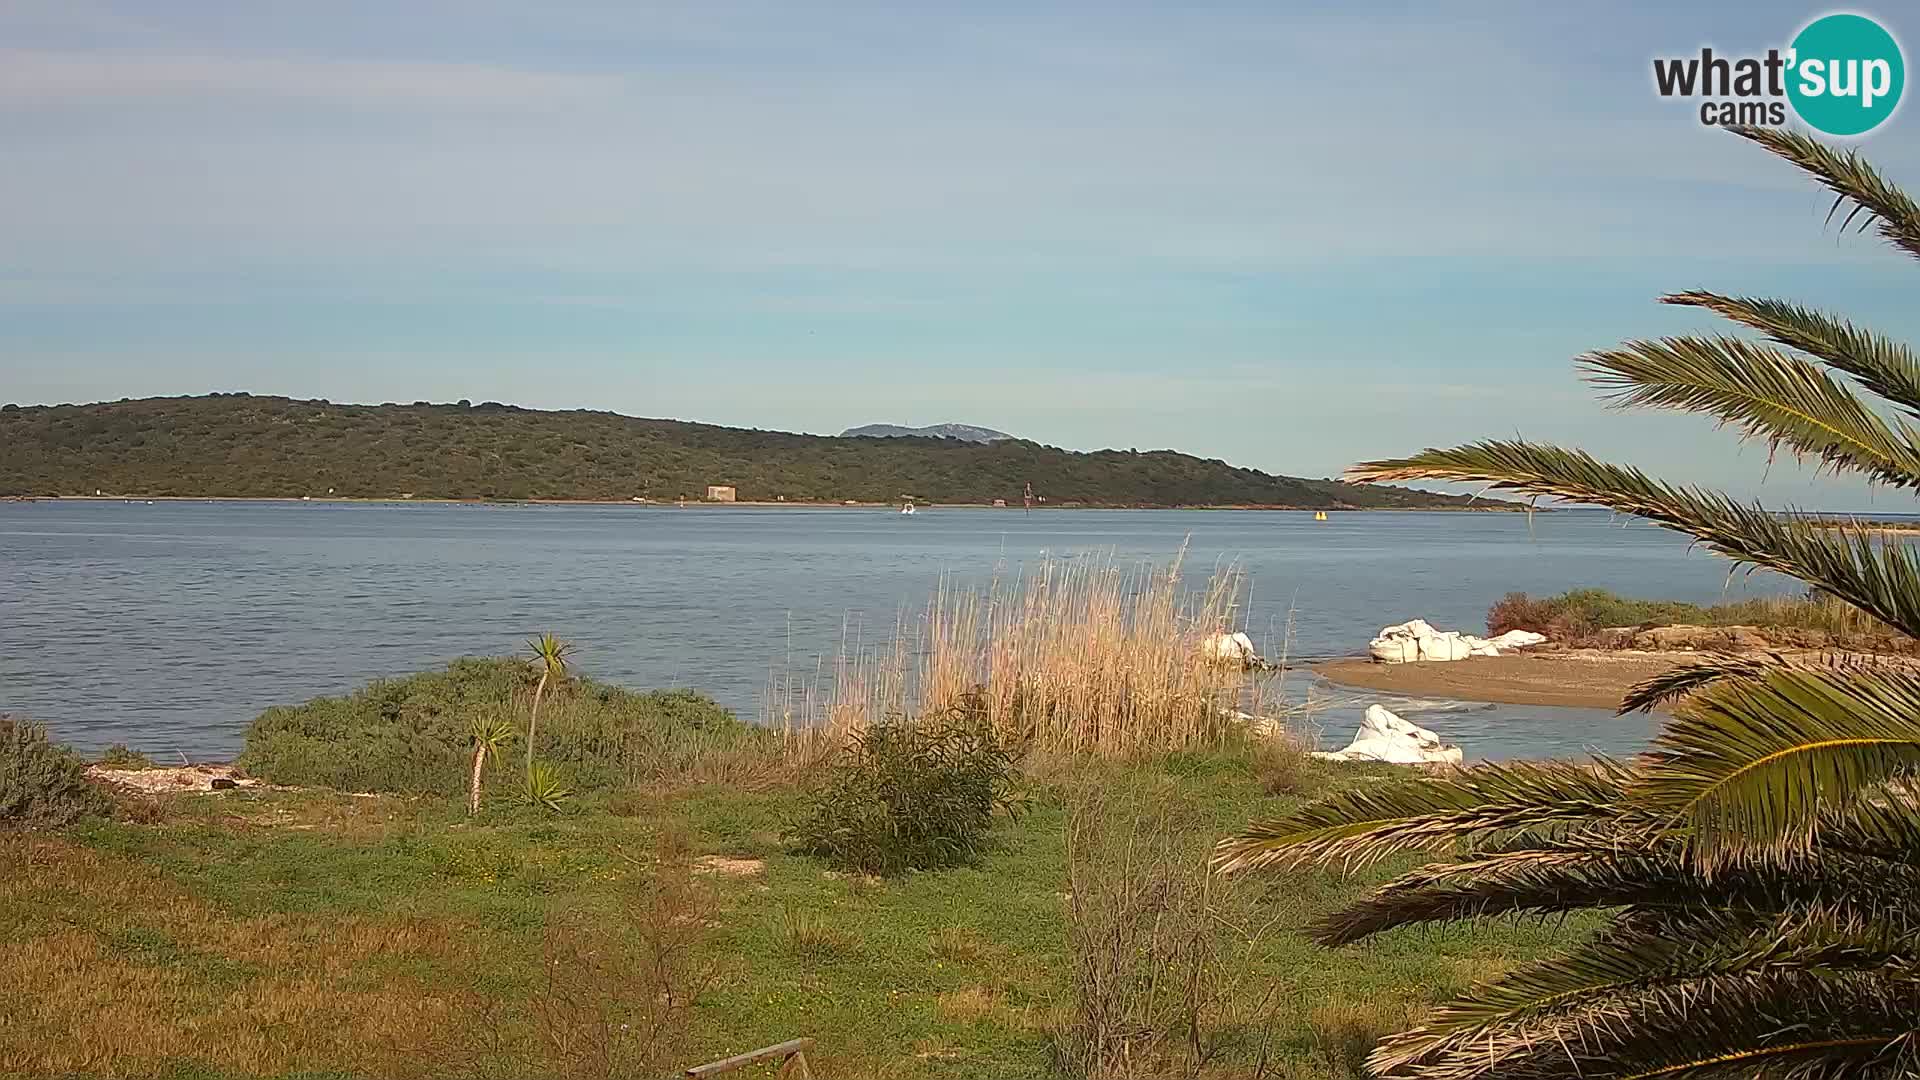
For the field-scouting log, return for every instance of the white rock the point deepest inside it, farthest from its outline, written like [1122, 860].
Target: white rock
[1417, 640]
[1231, 648]
[1518, 639]
[1384, 736]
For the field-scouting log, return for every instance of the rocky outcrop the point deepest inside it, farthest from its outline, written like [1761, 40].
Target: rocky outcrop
[1386, 737]
[1417, 640]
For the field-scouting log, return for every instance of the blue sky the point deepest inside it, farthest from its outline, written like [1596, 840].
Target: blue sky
[1291, 236]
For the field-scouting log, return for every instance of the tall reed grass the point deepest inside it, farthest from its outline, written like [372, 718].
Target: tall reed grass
[1071, 656]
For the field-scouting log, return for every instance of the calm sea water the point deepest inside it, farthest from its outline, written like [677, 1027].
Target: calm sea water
[169, 626]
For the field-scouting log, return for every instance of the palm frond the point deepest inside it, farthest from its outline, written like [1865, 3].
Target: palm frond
[1806, 1025]
[1883, 825]
[1750, 765]
[1767, 393]
[1851, 179]
[1886, 367]
[1362, 826]
[1849, 562]
[1681, 681]
[1647, 872]
[1696, 955]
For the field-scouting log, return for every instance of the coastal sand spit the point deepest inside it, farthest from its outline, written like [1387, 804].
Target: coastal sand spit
[1575, 678]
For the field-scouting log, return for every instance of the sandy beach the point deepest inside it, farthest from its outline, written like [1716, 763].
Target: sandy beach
[1580, 678]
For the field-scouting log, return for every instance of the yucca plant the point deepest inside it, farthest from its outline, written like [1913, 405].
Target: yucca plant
[550, 656]
[543, 786]
[1759, 868]
[488, 733]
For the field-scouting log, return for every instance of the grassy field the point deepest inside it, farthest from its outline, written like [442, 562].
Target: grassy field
[312, 933]
[351, 918]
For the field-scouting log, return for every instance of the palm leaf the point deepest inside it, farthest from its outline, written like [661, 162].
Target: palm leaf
[1789, 1023]
[1767, 393]
[1750, 765]
[1886, 367]
[1849, 562]
[1676, 683]
[1697, 955]
[1851, 180]
[1652, 873]
[1362, 826]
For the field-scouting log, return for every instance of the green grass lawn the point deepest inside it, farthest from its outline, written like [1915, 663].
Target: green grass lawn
[283, 933]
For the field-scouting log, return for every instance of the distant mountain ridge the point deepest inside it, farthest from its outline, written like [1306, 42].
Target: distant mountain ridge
[242, 446]
[963, 432]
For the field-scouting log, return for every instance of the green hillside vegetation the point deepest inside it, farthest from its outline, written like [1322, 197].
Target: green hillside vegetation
[239, 445]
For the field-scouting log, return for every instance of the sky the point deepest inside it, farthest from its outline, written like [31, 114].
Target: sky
[1292, 236]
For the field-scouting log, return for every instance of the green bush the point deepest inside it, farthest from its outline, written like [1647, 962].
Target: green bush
[42, 784]
[121, 756]
[411, 735]
[909, 795]
[1572, 617]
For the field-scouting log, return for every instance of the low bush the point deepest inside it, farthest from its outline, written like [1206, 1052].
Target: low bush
[1158, 979]
[42, 784]
[910, 795]
[413, 735]
[120, 756]
[1575, 617]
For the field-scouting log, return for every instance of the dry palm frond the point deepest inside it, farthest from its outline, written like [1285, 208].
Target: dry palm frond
[1362, 826]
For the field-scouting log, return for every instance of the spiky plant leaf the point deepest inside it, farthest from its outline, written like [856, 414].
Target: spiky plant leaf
[1751, 765]
[1602, 870]
[1696, 954]
[1791, 1023]
[1884, 366]
[544, 786]
[1851, 563]
[1678, 682]
[1361, 826]
[1851, 179]
[1763, 391]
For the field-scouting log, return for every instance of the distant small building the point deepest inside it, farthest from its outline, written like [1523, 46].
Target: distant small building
[1000, 502]
[721, 493]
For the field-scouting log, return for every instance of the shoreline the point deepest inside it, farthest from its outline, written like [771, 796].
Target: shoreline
[756, 504]
[1574, 678]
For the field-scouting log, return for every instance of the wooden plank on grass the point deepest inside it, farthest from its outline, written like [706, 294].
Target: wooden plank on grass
[791, 1054]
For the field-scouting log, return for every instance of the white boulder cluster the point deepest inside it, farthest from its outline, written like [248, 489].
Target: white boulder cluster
[1417, 640]
[1384, 736]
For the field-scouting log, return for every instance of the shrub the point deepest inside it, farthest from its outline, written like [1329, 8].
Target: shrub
[1518, 611]
[120, 756]
[413, 735]
[1158, 971]
[1573, 617]
[910, 795]
[1279, 763]
[544, 788]
[42, 784]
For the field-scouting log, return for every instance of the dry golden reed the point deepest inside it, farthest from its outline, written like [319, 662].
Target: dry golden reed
[1072, 656]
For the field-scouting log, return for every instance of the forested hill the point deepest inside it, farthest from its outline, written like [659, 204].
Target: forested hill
[235, 445]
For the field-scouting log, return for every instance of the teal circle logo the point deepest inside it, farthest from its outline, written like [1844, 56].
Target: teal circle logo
[1847, 74]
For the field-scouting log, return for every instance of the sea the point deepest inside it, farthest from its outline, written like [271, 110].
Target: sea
[169, 625]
